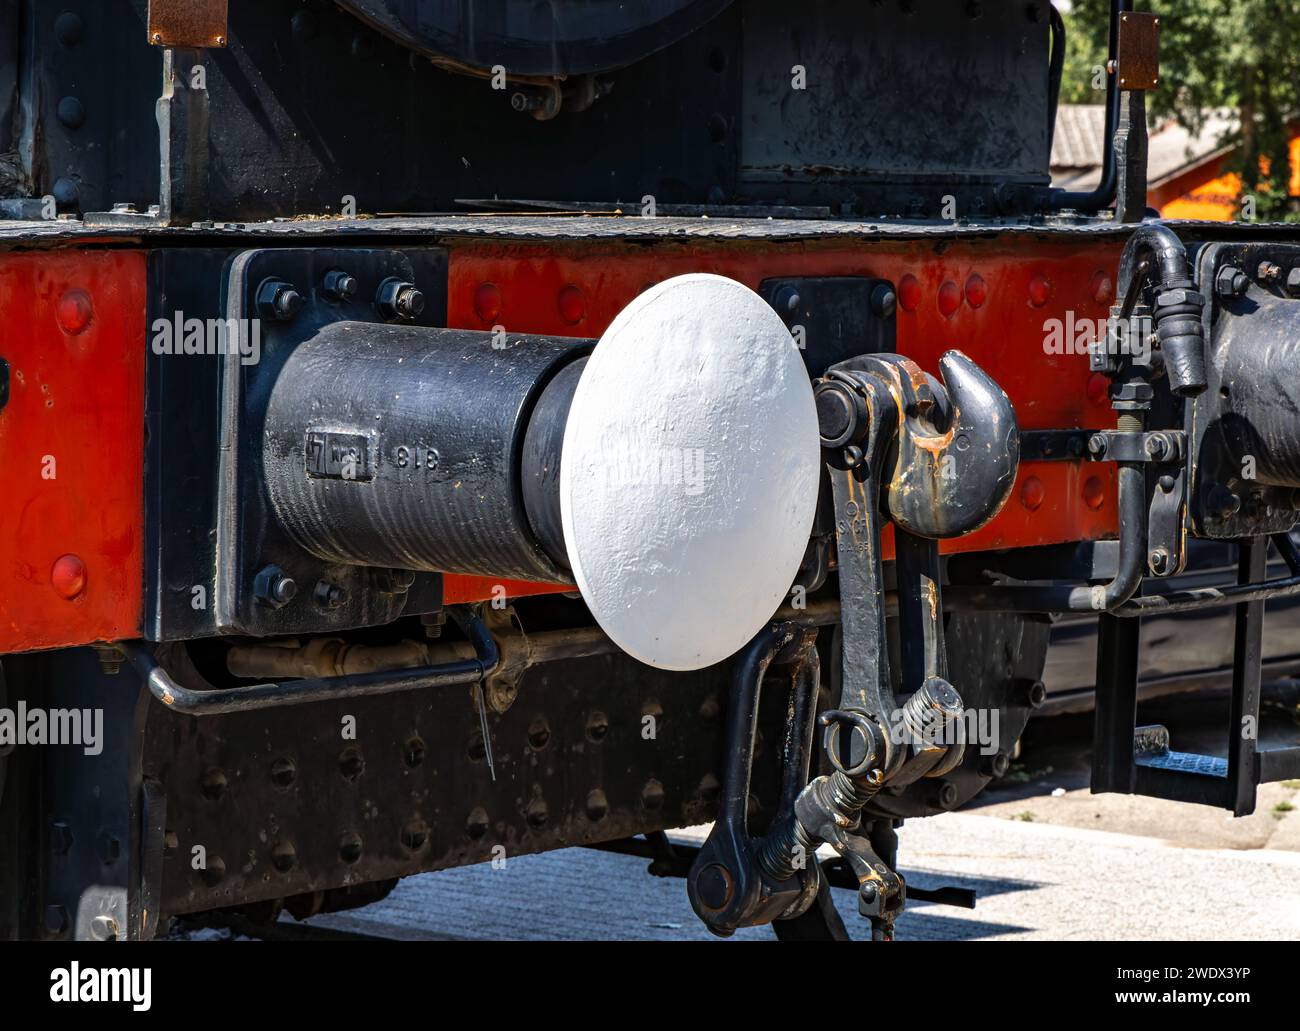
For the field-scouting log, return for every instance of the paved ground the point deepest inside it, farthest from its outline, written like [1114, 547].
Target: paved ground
[1035, 881]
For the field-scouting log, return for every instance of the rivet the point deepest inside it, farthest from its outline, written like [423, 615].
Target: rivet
[350, 846]
[909, 292]
[351, 763]
[1102, 288]
[487, 302]
[652, 795]
[597, 805]
[71, 112]
[213, 784]
[476, 824]
[415, 834]
[977, 291]
[949, 298]
[214, 872]
[539, 734]
[68, 576]
[571, 304]
[1098, 387]
[413, 751]
[1032, 493]
[1040, 290]
[597, 727]
[75, 311]
[537, 813]
[284, 772]
[284, 857]
[1094, 495]
[68, 28]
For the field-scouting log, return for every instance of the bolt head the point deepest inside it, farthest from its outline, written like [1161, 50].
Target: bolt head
[713, 887]
[1293, 281]
[277, 301]
[399, 300]
[60, 838]
[1230, 282]
[339, 285]
[272, 586]
[330, 596]
[109, 848]
[103, 928]
[56, 920]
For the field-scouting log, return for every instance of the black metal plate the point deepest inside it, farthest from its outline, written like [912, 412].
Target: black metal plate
[1263, 508]
[833, 318]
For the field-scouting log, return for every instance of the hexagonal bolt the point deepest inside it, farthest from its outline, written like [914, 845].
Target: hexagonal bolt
[1033, 693]
[274, 587]
[56, 921]
[1158, 560]
[995, 765]
[884, 301]
[108, 848]
[399, 300]
[103, 928]
[1293, 282]
[1230, 282]
[1223, 502]
[60, 838]
[277, 301]
[330, 596]
[339, 286]
[1269, 272]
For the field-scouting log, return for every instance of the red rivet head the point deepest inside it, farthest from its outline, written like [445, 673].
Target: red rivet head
[909, 292]
[949, 298]
[1098, 387]
[1094, 495]
[977, 291]
[572, 305]
[75, 312]
[487, 302]
[1039, 291]
[1102, 288]
[1032, 493]
[68, 576]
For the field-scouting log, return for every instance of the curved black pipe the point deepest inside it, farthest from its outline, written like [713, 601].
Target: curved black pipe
[316, 689]
[1055, 72]
[1079, 597]
[1155, 252]
[1161, 245]
[1104, 195]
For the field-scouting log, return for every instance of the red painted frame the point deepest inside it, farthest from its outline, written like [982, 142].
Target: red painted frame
[72, 437]
[71, 546]
[989, 297]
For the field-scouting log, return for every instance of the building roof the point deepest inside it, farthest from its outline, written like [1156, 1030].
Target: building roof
[1172, 150]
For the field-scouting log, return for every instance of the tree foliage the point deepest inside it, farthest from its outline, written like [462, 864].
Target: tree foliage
[1243, 55]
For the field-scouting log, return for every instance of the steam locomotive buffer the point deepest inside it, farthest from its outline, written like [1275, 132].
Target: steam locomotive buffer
[436, 432]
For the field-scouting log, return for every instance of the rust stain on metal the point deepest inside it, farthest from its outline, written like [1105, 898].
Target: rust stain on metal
[189, 23]
[1139, 51]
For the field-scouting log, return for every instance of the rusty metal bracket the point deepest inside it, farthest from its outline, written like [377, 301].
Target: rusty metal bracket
[1138, 63]
[191, 24]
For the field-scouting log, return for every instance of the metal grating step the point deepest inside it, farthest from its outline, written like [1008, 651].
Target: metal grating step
[1186, 762]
